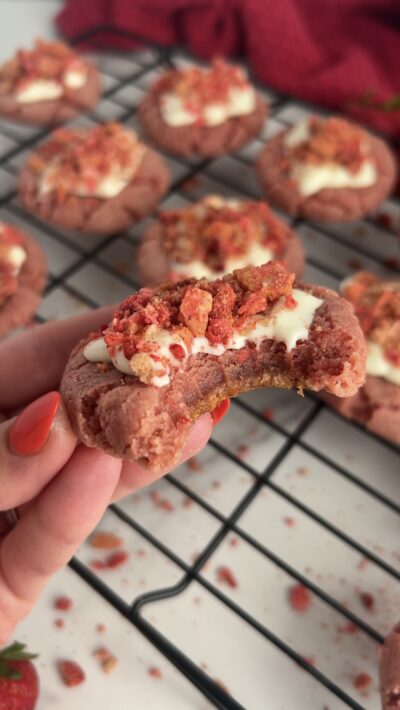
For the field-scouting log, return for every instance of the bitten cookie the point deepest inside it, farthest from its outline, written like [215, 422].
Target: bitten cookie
[389, 671]
[212, 238]
[22, 277]
[326, 170]
[171, 354]
[205, 112]
[377, 404]
[49, 84]
[99, 181]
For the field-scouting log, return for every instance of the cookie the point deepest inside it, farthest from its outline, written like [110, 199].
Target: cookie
[389, 671]
[99, 181]
[204, 112]
[47, 85]
[326, 170]
[213, 237]
[22, 277]
[169, 355]
[377, 404]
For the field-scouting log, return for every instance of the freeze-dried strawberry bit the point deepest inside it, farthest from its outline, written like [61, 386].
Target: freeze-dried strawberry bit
[362, 681]
[71, 673]
[103, 540]
[377, 307]
[194, 464]
[195, 308]
[116, 559]
[299, 598]
[270, 280]
[367, 600]
[254, 303]
[226, 576]
[154, 672]
[197, 87]
[100, 628]
[332, 140]
[289, 521]
[59, 623]
[106, 659]
[47, 60]
[63, 603]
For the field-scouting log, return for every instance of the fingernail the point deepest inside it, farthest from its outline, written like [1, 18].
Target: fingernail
[31, 428]
[220, 410]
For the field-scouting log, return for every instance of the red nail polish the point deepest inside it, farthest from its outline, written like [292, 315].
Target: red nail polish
[31, 428]
[220, 410]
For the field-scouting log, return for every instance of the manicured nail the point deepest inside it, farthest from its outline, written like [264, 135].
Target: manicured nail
[220, 410]
[31, 428]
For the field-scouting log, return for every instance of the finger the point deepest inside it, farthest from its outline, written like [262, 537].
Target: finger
[49, 533]
[134, 476]
[44, 350]
[33, 447]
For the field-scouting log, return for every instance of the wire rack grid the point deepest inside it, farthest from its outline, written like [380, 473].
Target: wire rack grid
[285, 493]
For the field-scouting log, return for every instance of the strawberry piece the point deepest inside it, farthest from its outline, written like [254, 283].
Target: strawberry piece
[63, 603]
[71, 673]
[367, 600]
[177, 351]
[194, 309]
[361, 681]
[254, 303]
[103, 540]
[19, 682]
[155, 672]
[299, 598]
[270, 280]
[117, 559]
[226, 576]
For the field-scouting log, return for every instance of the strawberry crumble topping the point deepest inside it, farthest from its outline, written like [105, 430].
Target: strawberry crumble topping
[155, 332]
[215, 232]
[63, 603]
[299, 598]
[98, 162]
[333, 140]
[12, 256]
[51, 61]
[362, 681]
[377, 307]
[197, 87]
[226, 576]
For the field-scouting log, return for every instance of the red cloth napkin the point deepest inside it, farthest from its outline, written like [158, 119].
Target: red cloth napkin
[342, 54]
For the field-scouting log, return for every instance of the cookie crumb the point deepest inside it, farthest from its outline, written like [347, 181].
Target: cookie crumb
[194, 464]
[103, 540]
[302, 471]
[100, 628]
[59, 623]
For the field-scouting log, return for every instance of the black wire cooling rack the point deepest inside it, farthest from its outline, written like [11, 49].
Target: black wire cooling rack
[286, 491]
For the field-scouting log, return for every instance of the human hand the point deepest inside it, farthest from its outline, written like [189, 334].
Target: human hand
[60, 487]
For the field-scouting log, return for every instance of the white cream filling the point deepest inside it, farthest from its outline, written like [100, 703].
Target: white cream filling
[287, 325]
[313, 178]
[256, 255]
[74, 78]
[107, 187]
[379, 366]
[14, 255]
[39, 90]
[241, 101]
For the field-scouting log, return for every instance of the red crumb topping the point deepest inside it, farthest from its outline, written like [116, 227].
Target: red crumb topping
[106, 659]
[71, 673]
[332, 140]
[194, 464]
[103, 540]
[155, 672]
[377, 307]
[367, 600]
[213, 310]
[59, 623]
[349, 628]
[116, 559]
[197, 87]
[9, 236]
[63, 603]
[299, 597]
[289, 522]
[213, 231]
[362, 681]
[82, 157]
[47, 60]
[100, 628]
[226, 576]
